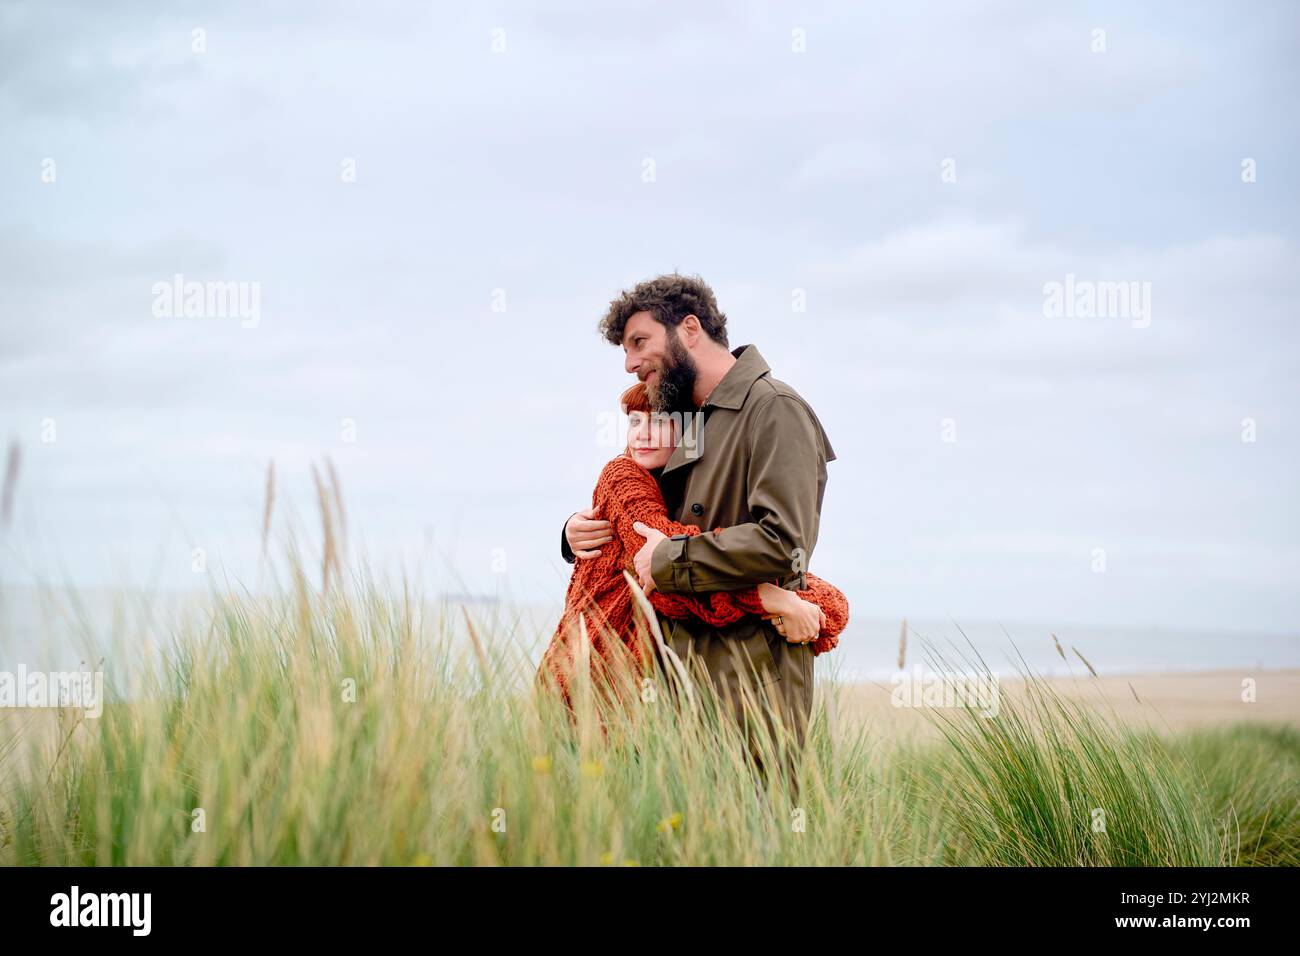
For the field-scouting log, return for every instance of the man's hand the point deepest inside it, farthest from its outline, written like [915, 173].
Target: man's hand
[644, 556]
[586, 531]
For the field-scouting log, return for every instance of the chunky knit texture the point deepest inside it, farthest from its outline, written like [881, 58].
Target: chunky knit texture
[599, 594]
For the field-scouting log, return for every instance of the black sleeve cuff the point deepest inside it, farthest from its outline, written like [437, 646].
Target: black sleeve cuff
[565, 551]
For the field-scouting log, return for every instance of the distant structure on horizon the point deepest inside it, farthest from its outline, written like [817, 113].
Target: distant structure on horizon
[463, 598]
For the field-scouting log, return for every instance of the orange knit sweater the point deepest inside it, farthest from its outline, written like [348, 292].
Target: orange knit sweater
[627, 493]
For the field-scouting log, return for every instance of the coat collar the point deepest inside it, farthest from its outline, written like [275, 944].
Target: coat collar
[730, 393]
[740, 378]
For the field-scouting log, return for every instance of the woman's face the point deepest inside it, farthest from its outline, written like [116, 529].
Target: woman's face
[651, 438]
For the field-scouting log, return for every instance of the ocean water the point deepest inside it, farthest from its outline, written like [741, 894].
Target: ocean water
[870, 648]
[63, 630]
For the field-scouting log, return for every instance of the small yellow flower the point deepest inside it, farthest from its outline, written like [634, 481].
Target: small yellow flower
[542, 763]
[421, 859]
[607, 859]
[631, 863]
[673, 822]
[592, 769]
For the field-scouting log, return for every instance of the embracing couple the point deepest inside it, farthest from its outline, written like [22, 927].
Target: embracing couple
[713, 506]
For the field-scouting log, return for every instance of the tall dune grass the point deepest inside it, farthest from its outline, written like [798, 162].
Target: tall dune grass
[355, 724]
[1052, 781]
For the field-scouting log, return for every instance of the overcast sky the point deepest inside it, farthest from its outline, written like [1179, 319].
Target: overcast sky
[916, 173]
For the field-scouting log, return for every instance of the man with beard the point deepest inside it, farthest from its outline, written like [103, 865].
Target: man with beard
[752, 461]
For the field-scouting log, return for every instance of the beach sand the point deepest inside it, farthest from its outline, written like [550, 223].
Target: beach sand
[1167, 703]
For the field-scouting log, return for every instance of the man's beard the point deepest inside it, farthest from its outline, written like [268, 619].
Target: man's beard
[675, 389]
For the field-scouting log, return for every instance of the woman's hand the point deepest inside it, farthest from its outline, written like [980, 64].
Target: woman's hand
[795, 619]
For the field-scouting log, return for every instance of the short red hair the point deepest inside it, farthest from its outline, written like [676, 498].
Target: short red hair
[635, 399]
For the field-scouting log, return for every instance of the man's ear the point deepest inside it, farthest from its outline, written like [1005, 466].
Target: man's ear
[689, 330]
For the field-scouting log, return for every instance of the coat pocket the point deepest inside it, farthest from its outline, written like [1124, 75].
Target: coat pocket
[751, 640]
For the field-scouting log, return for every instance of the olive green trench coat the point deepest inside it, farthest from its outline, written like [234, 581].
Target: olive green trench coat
[753, 462]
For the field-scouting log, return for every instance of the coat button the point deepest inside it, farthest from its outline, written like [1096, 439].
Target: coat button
[697, 509]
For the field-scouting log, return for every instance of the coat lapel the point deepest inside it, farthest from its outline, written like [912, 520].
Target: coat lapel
[691, 448]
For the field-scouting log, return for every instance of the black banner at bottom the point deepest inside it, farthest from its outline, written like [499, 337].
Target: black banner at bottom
[546, 906]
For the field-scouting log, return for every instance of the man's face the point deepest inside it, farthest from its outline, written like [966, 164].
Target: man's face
[657, 357]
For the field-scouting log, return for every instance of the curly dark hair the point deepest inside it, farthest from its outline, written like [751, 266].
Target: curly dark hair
[669, 298]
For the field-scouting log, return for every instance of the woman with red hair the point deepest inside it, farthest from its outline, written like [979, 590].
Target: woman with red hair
[599, 599]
